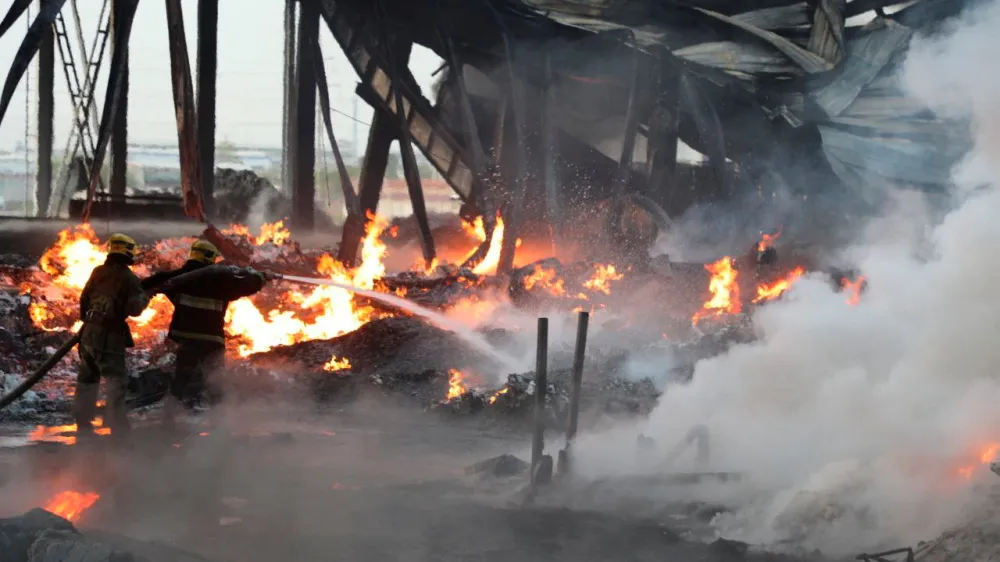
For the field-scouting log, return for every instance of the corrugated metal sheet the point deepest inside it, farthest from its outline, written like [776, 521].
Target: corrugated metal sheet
[866, 57]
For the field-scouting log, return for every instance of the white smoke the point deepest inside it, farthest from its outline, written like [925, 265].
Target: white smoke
[852, 420]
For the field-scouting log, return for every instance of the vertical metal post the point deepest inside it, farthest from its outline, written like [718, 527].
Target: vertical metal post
[46, 107]
[628, 143]
[288, 114]
[304, 157]
[373, 168]
[119, 131]
[541, 385]
[207, 71]
[661, 148]
[553, 210]
[578, 356]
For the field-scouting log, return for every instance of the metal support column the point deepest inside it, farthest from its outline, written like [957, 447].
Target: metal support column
[304, 156]
[46, 106]
[380, 136]
[661, 148]
[288, 106]
[119, 131]
[376, 159]
[207, 71]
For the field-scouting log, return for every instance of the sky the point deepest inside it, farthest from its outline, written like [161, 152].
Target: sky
[249, 102]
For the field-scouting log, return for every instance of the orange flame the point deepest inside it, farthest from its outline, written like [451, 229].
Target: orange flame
[602, 278]
[771, 291]
[320, 312]
[768, 240]
[725, 291]
[853, 288]
[70, 504]
[335, 364]
[546, 279]
[985, 455]
[498, 394]
[275, 233]
[488, 265]
[456, 385]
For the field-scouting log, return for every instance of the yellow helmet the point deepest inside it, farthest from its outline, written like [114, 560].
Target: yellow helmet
[123, 245]
[204, 251]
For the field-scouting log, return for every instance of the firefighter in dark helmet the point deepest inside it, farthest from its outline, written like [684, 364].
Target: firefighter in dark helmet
[112, 294]
[198, 324]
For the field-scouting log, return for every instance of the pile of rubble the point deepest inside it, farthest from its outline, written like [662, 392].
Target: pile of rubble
[242, 196]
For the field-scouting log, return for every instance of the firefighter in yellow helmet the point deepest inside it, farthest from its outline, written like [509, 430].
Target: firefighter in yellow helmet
[198, 325]
[112, 294]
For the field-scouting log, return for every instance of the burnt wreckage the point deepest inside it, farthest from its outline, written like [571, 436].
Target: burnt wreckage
[545, 107]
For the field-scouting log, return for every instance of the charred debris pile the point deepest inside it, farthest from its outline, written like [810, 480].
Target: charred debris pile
[328, 342]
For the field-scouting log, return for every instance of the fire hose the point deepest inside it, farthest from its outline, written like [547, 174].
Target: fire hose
[204, 274]
[40, 372]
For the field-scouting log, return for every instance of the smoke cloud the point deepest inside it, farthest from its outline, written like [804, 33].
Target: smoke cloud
[852, 421]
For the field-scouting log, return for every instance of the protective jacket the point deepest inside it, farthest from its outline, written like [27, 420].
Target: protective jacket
[200, 309]
[112, 294]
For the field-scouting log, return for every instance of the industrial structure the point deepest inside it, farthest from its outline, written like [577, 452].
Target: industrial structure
[544, 107]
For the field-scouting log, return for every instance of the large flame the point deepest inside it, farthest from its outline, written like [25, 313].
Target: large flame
[602, 278]
[298, 315]
[773, 290]
[70, 504]
[725, 291]
[488, 265]
[546, 279]
[323, 312]
[456, 385]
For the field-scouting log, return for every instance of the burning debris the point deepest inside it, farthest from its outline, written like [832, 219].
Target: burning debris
[70, 504]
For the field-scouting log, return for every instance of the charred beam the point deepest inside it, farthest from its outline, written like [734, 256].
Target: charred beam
[29, 46]
[119, 132]
[112, 98]
[288, 102]
[628, 143]
[410, 171]
[46, 108]
[661, 145]
[13, 14]
[380, 136]
[184, 107]
[515, 204]
[207, 71]
[304, 157]
[376, 159]
[351, 201]
[553, 207]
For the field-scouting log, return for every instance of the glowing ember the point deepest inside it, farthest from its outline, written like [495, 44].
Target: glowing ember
[546, 279]
[602, 278]
[725, 291]
[335, 364]
[853, 289]
[456, 385]
[771, 291]
[767, 240]
[70, 504]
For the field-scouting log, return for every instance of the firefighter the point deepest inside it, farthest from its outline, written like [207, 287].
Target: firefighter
[112, 294]
[198, 325]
